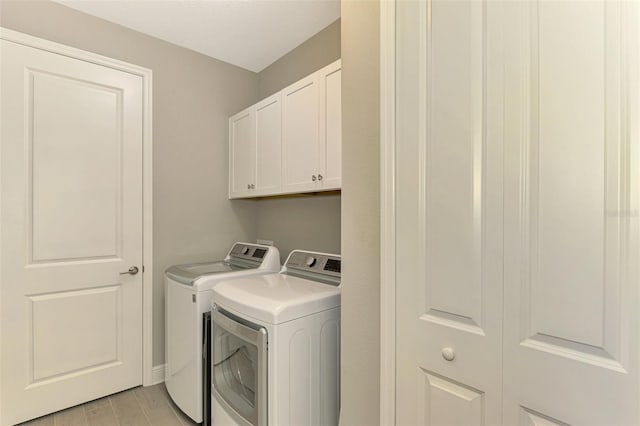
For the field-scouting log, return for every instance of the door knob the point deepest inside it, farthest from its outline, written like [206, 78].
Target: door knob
[448, 353]
[132, 271]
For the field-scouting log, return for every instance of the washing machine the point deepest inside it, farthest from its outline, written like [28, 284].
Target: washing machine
[188, 295]
[276, 345]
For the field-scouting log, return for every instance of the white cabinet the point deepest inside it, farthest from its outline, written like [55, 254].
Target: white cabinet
[301, 134]
[242, 153]
[312, 132]
[255, 140]
[290, 142]
[330, 147]
[268, 121]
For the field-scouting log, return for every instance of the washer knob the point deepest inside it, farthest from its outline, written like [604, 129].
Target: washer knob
[310, 261]
[245, 250]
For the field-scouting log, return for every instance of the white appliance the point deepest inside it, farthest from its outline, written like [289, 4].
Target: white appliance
[188, 294]
[276, 345]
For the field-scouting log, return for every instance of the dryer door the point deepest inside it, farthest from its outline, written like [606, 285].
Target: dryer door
[239, 370]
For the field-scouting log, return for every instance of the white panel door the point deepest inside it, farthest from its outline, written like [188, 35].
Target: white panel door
[572, 288]
[330, 175]
[301, 135]
[71, 218]
[269, 145]
[242, 153]
[449, 214]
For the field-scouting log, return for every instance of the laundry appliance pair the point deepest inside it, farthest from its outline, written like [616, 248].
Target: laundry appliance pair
[267, 339]
[188, 296]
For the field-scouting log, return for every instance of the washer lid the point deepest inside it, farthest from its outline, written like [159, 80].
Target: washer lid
[276, 298]
[187, 274]
[245, 258]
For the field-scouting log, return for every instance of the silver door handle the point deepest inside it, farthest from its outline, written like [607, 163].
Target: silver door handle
[132, 271]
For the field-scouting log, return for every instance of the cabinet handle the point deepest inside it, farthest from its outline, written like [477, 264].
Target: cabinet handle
[248, 186]
[253, 186]
[319, 177]
[313, 178]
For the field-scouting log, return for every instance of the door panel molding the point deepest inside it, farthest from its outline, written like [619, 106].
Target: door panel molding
[59, 310]
[147, 176]
[48, 239]
[601, 252]
[453, 164]
[449, 402]
[533, 418]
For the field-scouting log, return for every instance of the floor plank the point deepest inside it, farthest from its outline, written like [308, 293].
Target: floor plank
[155, 404]
[73, 416]
[150, 406]
[128, 410]
[100, 413]
[41, 421]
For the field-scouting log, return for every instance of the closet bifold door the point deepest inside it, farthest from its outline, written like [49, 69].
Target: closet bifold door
[572, 182]
[448, 213]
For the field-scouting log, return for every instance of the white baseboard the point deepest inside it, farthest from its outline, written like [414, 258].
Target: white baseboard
[157, 374]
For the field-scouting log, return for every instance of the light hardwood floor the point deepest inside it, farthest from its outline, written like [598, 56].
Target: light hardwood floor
[150, 406]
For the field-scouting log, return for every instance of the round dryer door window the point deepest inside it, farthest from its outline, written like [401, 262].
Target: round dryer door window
[239, 366]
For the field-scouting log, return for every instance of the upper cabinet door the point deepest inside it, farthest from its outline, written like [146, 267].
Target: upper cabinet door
[330, 177]
[242, 153]
[301, 135]
[268, 115]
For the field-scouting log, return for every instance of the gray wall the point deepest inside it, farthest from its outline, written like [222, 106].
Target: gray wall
[304, 222]
[318, 51]
[360, 391]
[309, 222]
[193, 95]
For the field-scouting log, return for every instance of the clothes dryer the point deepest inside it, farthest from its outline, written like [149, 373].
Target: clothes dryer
[188, 295]
[276, 345]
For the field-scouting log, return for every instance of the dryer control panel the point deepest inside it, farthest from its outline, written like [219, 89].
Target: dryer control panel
[321, 267]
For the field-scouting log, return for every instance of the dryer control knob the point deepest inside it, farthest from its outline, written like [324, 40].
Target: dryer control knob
[310, 261]
[245, 250]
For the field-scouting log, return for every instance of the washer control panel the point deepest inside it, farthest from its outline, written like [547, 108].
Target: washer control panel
[248, 251]
[311, 264]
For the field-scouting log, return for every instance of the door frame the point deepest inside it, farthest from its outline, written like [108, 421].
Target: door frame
[387, 212]
[147, 177]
